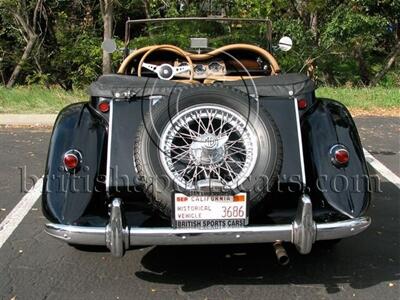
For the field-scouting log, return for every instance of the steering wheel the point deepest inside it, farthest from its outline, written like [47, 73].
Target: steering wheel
[166, 71]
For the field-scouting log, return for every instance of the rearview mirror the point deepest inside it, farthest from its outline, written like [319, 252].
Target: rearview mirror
[285, 43]
[109, 45]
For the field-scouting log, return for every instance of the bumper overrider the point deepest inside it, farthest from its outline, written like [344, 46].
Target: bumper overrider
[302, 232]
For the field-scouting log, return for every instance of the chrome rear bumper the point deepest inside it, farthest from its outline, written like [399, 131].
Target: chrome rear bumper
[303, 232]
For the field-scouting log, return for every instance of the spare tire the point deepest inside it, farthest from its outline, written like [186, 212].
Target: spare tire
[207, 138]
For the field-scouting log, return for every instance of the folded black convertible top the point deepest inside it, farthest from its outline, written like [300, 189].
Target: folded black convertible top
[284, 85]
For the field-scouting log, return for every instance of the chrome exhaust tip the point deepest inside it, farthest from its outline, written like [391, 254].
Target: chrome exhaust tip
[281, 254]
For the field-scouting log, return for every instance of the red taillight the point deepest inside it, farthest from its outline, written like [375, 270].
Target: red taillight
[71, 160]
[104, 106]
[302, 103]
[342, 156]
[339, 155]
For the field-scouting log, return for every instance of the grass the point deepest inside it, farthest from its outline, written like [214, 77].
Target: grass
[367, 99]
[38, 99]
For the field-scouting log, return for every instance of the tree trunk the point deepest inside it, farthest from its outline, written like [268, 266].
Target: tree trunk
[362, 66]
[299, 8]
[107, 13]
[24, 57]
[146, 8]
[389, 62]
[314, 25]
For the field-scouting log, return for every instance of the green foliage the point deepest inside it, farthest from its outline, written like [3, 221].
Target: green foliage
[349, 27]
[347, 45]
[391, 79]
[303, 44]
[79, 57]
[77, 48]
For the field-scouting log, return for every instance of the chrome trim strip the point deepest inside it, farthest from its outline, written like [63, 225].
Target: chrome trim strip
[303, 170]
[172, 236]
[110, 128]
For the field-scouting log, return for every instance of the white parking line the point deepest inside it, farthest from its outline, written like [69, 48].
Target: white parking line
[11, 222]
[384, 171]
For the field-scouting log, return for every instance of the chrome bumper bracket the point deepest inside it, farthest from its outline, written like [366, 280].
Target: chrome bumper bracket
[304, 227]
[117, 237]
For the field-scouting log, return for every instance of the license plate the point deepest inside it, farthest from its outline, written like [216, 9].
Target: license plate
[210, 211]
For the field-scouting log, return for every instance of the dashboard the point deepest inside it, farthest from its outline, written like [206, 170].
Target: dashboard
[204, 69]
[227, 63]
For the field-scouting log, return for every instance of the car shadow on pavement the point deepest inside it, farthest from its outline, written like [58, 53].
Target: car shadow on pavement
[362, 261]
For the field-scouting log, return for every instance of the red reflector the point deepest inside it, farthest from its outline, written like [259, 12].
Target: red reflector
[71, 161]
[342, 156]
[302, 103]
[104, 106]
[339, 155]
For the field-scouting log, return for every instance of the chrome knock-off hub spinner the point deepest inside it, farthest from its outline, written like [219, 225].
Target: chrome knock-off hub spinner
[208, 149]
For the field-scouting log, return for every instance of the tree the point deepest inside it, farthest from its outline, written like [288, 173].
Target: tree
[389, 63]
[337, 41]
[107, 9]
[27, 19]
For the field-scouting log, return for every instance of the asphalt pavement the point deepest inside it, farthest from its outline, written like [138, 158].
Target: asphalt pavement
[381, 137]
[36, 266]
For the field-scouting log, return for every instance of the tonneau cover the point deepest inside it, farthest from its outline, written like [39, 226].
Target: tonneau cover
[269, 86]
[291, 84]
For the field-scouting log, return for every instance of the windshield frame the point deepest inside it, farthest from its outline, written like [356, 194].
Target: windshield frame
[129, 23]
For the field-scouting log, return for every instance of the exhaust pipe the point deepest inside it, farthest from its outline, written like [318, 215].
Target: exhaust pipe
[280, 252]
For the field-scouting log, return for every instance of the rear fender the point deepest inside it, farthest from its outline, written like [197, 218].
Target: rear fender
[66, 196]
[346, 189]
